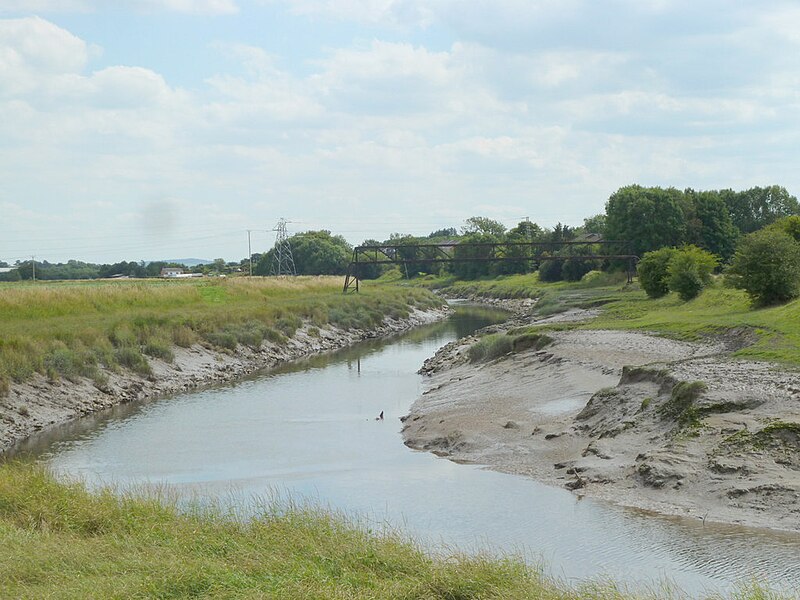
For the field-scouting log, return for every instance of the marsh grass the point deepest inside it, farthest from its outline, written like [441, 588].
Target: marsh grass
[59, 540]
[74, 330]
[495, 345]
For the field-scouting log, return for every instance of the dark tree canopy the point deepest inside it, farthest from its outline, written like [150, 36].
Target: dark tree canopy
[649, 217]
[757, 207]
[708, 223]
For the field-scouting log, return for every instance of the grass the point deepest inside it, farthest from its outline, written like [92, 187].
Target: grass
[60, 541]
[494, 345]
[770, 334]
[72, 330]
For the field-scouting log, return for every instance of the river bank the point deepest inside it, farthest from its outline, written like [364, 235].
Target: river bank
[41, 402]
[680, 428]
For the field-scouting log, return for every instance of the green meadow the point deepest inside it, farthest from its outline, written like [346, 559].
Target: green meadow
[771, 333]
[82, 329]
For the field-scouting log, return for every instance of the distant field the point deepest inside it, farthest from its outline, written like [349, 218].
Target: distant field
[72, 329]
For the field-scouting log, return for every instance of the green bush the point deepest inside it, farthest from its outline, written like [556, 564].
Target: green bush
[653, 272]
[550, 270]
[690, 271]
[575, 268]
[767, 266]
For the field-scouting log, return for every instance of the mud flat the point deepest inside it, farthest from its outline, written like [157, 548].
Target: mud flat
[42, 403]
[643, 421]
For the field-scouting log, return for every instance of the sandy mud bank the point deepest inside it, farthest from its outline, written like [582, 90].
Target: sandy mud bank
[675, 427]
[41, 403]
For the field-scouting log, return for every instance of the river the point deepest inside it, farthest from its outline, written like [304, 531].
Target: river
[308, 431]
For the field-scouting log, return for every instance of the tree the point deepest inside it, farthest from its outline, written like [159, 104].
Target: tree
[649, 218]
[767, 266]
[483, 225]
[595, 224]
[759, 206]
[528, 231]
[521, 254]
[653, 272]
[446, 232]
[788, 225]
[550, 270]
[560, 233]
[709, 224]
[689, 271]
[470, 269]
[314, 253]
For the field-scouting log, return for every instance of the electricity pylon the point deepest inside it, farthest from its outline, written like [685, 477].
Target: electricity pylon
[283, 263]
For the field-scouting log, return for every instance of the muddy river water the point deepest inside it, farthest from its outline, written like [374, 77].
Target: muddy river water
[308, 431]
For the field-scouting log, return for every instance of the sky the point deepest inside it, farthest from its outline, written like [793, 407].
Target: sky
[154, 129]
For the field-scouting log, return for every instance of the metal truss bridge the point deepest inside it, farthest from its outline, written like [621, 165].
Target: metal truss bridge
[530, 254]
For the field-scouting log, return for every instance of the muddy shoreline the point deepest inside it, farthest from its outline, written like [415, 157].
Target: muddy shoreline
[40, 403]
[618, 415]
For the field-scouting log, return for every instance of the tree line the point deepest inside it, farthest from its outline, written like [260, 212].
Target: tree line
[651, 218]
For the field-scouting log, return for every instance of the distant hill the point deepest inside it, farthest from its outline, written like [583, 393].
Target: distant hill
[189, 262]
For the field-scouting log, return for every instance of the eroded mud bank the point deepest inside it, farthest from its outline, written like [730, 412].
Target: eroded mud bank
[675, 427]
[41, 403]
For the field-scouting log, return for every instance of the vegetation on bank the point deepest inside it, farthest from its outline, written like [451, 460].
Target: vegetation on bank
[762, 333]
[76, 330]
[61, 541]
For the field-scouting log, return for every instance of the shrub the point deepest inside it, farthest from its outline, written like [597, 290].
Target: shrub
[653, 272]
[5, 386]
[550, 270]
[767, 266]
[575, 268]
[690, 270]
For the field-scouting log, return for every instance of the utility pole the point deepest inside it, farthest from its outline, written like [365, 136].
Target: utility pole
[284, 261]
[249, 253]
[33, 266]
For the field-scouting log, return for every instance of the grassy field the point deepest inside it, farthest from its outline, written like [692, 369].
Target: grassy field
[767, 333]
[78, 329]
[59, 541]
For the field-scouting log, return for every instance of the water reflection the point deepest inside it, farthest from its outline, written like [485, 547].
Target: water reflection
[308, 430]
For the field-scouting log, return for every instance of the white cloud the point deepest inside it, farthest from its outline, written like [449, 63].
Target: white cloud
[506, 118]
[207, 7]
[33, 48]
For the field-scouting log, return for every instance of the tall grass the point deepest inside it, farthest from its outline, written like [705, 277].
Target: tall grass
[60, 541]
[76, 330]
